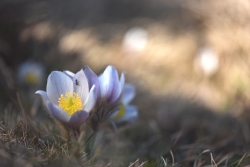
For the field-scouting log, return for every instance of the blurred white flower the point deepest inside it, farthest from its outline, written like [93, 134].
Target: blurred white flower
[69, 98]
[207, 60]
[126, 113]
[135, 39]
[31, 73]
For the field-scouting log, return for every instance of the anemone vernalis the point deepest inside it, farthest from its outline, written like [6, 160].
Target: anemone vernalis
[31, 73]
[109, 91]
[69, 99]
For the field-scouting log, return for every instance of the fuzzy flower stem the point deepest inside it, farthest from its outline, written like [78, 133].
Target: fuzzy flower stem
[90, 143]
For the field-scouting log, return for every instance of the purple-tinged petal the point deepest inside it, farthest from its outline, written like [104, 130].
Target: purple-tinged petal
[92, 80]
[58, 84]
[91, 100]
[81, 86]
[110, 85]
[128, 93]
[122, 81]
[43, 96]
[117, 90]
[130, 114]
[107, 81]
[69, 73]
[58, 113]
[78, 118]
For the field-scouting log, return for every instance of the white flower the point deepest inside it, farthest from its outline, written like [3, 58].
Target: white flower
[31, 73]
[135, 39]
[208, 61]
[127, 112]
[68, 97]
[108, 90]
[110, 85]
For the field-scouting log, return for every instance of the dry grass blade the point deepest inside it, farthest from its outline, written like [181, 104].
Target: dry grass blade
[195, 162]
[142, 164]
[172, 155]
[224, 159]
[241, 160]
[212, 160]
[133, 163]
[34, 108]
[177, 138]
[165, 164]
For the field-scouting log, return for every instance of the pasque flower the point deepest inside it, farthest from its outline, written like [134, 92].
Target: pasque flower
[69, 98]
[127, 112]
[31, 73]
[108, 90]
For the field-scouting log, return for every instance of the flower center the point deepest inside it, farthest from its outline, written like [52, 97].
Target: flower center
[120, 113]
[70, 102]
[30, 78]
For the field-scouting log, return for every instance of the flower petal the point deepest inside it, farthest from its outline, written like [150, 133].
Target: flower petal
[122, 81]
[69, 73]
[58, 113]
[105, 81]
[128, 93]
[109, 83]
[78, 118]
[43, 96]
[81, 86]
[130, 114]
[58, 83]
[92, 80]
[117, 91]
[91, 100]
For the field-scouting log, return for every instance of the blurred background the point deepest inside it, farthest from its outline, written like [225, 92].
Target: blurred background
[188, 59]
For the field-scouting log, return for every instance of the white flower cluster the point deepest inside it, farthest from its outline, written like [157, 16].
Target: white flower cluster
[74, 99]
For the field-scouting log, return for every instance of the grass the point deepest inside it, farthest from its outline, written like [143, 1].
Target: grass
[37, 141]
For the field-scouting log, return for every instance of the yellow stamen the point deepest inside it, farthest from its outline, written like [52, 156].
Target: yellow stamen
[120, 113]
[70, 102]
[30, 78]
